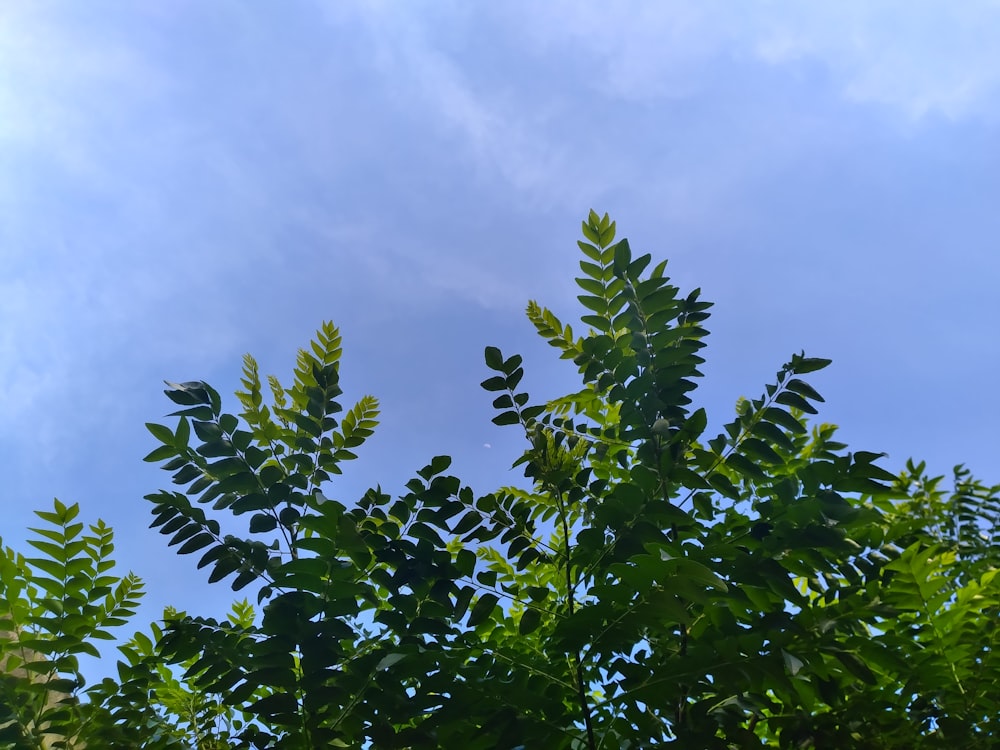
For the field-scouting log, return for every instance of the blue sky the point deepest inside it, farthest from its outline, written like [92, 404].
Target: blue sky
[182, 182]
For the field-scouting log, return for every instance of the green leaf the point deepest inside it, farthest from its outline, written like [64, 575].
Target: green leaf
[207, 432]
[623, 257]
[262, 522]
[503, 401]
[510, 367]
[853, 663]
[188, 394]
[530, 620]
[760, 450]
[183, 435]
[598, 305]
[161, 453]
[770, 432]
[54, 551]
[277, 704]
[721, 484]
[745, 466]
[482, 609]
[195, 543]
[467, 523]
[784, 419]
[589, 250]
[803, 365]
[487, 577]
[591, 286]
[803, 389]
[792, 663]
[494, 358]
[795, 401]
[289, 516]
[388, 661]
[203, 413]
[607, 231]
[496, 383]
[161, 433]
[465, 561]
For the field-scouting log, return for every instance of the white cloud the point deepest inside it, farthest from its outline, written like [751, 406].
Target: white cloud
[61, 80]
[917, 57]
[501, 134]
[22, 379]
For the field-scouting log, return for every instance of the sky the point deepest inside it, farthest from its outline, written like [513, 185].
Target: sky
[183, 182]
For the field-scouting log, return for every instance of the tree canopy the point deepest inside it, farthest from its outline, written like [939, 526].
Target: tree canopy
[647, 585]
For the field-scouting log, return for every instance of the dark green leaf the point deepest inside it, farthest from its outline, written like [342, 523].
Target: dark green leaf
[162, 453]
[772, 433]
[760, 450]
[496, 383]
[482, 609]
[855, 666]
[795, 401]
[262, 522]
[195, 543]
[803, 389]
[529, 622]
[745, 466]
[467, 523]
[278, 704]
[784, 419]
[623, 257]
[494, 358]
[465, 561]
[803, 365]
[207, 431]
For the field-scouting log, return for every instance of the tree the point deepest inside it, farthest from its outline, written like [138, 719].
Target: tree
[646, 586]
[52, 608]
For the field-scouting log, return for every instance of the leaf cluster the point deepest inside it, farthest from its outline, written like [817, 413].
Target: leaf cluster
[54, 605]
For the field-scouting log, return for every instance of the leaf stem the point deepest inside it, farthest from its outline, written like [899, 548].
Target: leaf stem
[571, 606]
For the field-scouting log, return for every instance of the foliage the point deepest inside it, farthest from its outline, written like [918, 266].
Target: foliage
[647, 585]
[53, 607]
[153, 700]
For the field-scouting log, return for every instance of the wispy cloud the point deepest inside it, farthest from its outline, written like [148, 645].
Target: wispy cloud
[504, 134]
[919, 58]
